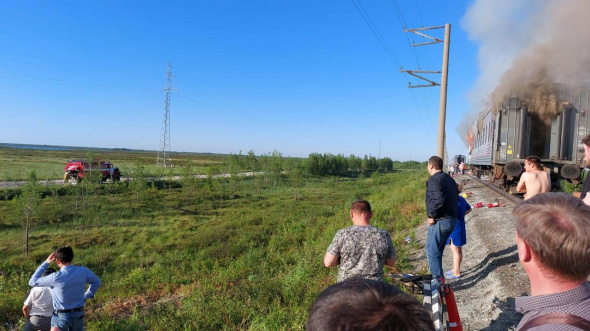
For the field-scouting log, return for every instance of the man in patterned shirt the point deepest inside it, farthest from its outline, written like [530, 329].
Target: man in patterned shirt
[553, 242]
[361, 249]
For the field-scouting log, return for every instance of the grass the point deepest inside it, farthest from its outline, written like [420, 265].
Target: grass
[239, 255]
[50, 164]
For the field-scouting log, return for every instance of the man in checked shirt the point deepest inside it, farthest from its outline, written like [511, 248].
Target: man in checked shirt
[553, 242]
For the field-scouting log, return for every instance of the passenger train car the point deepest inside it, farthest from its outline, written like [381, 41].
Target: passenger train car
[549, 125]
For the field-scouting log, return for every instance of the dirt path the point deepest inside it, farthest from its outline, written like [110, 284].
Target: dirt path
[491, 275]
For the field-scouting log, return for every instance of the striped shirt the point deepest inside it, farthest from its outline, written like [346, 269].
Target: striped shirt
[575, 301]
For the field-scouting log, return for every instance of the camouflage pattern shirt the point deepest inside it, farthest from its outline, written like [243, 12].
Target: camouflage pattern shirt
[362, 251]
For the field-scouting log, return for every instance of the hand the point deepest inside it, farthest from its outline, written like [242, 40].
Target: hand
[50, 258]
[431, 221]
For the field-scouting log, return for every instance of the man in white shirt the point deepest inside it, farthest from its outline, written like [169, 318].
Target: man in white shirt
[38, 307]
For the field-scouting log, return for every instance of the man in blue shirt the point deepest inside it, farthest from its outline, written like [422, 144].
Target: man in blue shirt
[68, 289]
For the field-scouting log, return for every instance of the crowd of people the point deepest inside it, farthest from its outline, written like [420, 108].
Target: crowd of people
[552, 240]
[553, 243]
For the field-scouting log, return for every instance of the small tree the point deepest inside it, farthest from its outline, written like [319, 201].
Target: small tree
[29, 202]
[138, 184]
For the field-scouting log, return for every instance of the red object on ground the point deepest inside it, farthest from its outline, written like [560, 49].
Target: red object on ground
[453, 312]
[494, 204]
[478, 205]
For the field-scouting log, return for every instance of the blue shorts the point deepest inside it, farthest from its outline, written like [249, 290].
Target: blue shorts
[458, 236]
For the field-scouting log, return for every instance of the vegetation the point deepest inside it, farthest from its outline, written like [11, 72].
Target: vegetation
[238, 252]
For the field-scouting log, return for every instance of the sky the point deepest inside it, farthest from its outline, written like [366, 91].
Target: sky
[297, 77]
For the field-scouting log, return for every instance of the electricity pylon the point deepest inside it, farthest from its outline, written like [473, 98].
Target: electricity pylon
[164, 151]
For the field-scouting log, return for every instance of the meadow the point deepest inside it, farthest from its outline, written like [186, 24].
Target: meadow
[237, 253]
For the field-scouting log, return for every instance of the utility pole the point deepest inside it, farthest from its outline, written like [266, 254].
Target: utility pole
[164, 151]
[440, 148]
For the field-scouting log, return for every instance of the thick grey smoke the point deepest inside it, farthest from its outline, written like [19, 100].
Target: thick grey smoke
[526, 45]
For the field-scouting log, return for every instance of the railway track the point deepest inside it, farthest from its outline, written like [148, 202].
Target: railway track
[516, 199]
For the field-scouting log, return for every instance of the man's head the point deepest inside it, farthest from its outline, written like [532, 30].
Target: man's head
[48, 272]
[435, 164]
[365, 304]
[586, 143]
[556, 228]
[360, 212]
[64, 255]
[361, 206]
[532, 163]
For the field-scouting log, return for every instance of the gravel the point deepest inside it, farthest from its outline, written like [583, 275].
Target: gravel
[491, 276]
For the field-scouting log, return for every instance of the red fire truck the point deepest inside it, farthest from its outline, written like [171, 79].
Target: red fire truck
[77, 169]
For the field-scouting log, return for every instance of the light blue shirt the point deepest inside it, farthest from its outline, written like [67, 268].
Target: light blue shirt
[68, 285]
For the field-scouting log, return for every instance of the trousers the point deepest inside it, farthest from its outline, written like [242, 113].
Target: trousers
[435, 243]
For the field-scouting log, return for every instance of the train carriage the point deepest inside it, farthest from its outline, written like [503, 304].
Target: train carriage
[548, 122]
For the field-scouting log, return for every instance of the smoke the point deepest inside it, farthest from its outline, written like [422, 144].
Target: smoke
[527, 45]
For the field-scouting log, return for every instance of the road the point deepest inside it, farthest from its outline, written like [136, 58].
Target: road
[19, 183]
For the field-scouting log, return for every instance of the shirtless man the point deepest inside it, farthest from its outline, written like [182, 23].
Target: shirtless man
[583, 195]
[534, 180]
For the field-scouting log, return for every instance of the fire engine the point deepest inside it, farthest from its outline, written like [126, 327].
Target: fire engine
[77, 169]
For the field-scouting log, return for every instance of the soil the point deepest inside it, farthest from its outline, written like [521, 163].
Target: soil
[491, 276]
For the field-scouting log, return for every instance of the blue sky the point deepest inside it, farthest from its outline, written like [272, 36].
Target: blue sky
[294, 76]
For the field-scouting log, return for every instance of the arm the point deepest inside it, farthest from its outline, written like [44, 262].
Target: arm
[27, 311]
[94, 285]
[37, 279]
[521, 187]
[391, 254]
[577, 195]
[434, 197]
[330, 260]
[390, 262]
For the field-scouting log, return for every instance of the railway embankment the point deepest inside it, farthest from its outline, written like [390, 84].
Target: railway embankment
[491, 274]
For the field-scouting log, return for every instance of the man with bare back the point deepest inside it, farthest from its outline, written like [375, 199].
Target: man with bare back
[534, 180]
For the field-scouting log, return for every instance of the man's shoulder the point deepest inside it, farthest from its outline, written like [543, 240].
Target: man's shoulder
[352, 230]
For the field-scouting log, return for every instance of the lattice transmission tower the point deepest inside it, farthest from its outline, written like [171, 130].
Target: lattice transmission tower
[164, 151]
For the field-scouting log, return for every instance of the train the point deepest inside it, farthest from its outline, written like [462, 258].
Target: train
[548, 122]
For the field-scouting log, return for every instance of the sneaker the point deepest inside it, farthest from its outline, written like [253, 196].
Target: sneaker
[452, 276]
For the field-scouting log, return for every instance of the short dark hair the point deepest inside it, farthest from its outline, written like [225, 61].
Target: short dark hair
[534, 160]
[366, 304]
[361, 206]
[48, 272]
[436, 162]
[65, 254]
[586, 140]
[556, 226]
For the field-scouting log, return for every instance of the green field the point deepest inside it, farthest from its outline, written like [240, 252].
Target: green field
[197, 254]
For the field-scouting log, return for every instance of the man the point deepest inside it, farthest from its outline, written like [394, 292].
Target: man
[553, 242]
[583, 195]
[38, 307]
[67, 289]
[462, 167]
[441, 206]
[364, 304]
[534, 180]
[361, 249]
